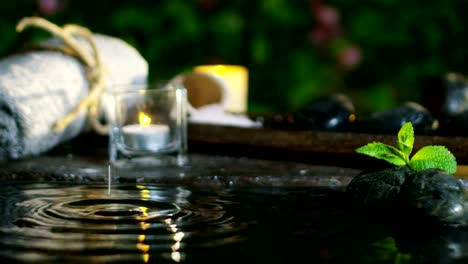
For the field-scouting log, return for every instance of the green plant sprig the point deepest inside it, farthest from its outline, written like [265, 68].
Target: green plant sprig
[428, 157]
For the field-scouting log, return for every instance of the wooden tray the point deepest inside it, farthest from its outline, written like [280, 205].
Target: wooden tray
[318, 147]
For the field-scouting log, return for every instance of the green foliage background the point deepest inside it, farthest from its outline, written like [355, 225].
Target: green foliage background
[402, 43]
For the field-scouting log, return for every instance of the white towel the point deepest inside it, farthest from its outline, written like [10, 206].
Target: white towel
[38, 88]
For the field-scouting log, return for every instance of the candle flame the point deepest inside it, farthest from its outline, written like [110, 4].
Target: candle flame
[144, 119]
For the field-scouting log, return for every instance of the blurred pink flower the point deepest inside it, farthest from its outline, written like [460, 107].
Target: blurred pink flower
[328, 26]
[50, 7]
[350, 57]
[327, 15]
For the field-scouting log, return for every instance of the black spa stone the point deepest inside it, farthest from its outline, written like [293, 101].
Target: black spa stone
[430, 196]
[378, 189]
[434, 194]
[455, 88]
[333, 112]
[390, 121]
[448, 99]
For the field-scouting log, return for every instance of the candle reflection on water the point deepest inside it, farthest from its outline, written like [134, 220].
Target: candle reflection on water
[142, 244]
[144, 248]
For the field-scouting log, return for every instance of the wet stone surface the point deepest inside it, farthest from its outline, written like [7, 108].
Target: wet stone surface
[429, 195]
[198, 169]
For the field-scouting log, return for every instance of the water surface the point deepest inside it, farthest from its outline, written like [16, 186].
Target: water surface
[149, 223]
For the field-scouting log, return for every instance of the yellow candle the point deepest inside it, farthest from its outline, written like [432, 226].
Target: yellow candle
[235, 79]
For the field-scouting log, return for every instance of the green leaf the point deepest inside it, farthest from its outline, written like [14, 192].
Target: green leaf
[434, 157]
[382, 151]
[406, 139]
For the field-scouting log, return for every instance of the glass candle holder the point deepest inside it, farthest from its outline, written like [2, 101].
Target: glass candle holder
[147, 121]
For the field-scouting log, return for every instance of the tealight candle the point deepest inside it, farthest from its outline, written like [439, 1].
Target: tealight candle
[146, 136]
[235, 78]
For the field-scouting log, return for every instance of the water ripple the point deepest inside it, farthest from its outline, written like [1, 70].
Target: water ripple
[57, 223]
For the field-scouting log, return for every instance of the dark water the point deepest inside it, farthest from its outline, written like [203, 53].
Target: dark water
[58, 223]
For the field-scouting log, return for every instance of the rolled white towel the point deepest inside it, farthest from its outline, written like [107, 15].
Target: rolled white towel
[39, 88]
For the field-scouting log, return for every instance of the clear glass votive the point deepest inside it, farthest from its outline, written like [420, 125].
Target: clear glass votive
[147, 120]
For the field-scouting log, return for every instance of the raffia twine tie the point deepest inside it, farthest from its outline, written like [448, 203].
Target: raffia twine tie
[95, 70]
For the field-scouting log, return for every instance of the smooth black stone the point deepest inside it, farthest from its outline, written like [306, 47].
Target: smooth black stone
[455, 97]
[390, 121]
[445, 95]
[434, 194]
[430, 196]
[333, 112]
[376, 190]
